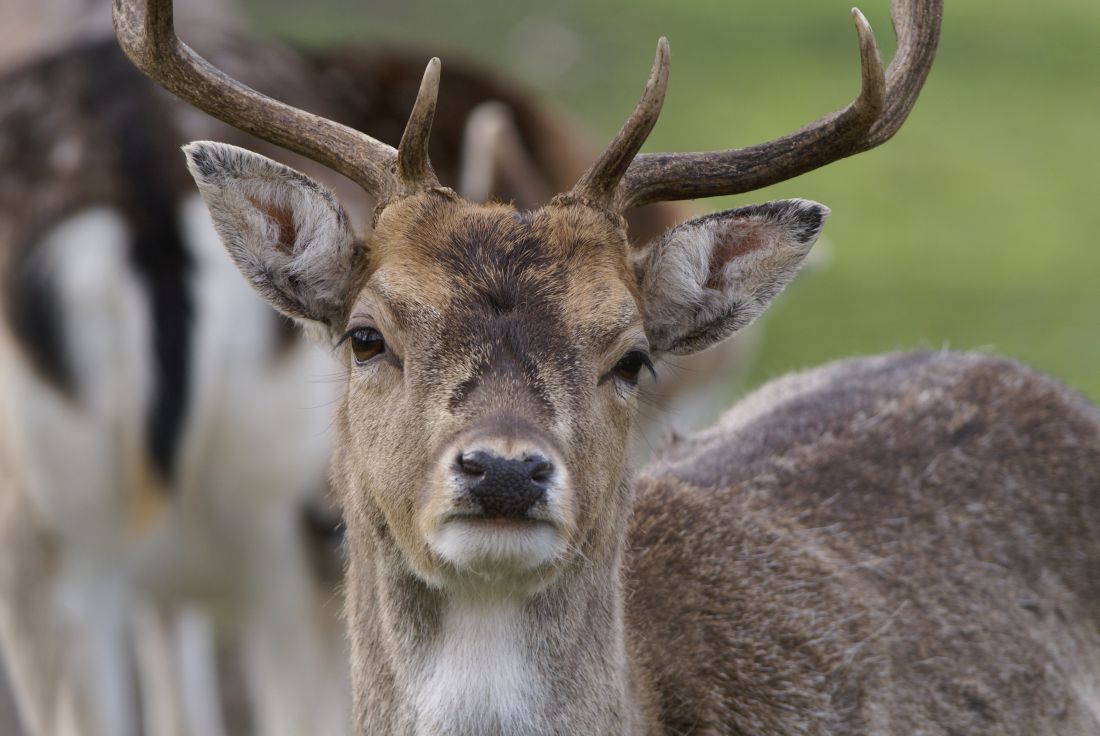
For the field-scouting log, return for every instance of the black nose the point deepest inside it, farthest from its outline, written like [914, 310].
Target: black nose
[505, 487]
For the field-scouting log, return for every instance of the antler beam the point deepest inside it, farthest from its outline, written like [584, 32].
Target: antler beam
[146, 33]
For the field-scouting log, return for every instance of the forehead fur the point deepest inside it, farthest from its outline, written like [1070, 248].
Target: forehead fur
[438, 252]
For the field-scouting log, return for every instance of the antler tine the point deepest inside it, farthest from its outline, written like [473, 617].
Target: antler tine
[917, 27]
[145, 32]
[413, 167]
[599, 182]
[877, 113]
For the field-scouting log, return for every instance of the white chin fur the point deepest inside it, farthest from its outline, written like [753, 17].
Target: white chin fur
[483, 547]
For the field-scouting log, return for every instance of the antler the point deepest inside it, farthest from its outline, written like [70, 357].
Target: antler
[413, 167]
[599, 182]
[145, 32]
[878, 112]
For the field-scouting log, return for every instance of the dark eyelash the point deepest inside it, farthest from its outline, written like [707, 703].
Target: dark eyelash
[347, 335]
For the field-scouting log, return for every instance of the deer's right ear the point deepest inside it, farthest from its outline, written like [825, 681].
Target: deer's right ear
[287, 234]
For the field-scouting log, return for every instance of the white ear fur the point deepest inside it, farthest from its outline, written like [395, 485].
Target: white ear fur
[707, 278]
[287, 234]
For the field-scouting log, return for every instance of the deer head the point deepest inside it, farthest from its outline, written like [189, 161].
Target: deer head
[492, 354]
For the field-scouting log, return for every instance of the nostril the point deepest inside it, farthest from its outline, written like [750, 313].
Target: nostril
[539, 469]
[473, 463]
[503, 487]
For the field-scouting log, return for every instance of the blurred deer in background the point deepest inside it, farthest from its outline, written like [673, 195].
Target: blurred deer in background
[167, 459]
[904, 544]
[146, 425]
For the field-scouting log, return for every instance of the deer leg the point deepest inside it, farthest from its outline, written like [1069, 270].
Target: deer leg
[196, 646]
[66, 646]
[9, 714]
[159, 670]
[295, 673]
[97, 613]
[178, 671]
[30, 632]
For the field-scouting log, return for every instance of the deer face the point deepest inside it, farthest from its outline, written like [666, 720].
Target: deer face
[492, 355]
[493, 359]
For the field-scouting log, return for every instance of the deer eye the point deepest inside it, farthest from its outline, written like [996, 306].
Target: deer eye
[366, 343]
[630, 365]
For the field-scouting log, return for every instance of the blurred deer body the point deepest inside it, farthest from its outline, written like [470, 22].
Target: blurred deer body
[149, 389]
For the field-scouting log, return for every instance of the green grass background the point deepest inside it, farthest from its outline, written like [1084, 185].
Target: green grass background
[975, 227]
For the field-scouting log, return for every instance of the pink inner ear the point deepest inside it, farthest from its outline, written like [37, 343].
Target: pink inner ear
[284, 218]
[740, 236]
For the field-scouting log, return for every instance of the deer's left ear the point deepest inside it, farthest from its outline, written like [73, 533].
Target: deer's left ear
[707, 278]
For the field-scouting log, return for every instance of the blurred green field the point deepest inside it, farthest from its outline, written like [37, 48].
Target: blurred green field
[974, 228]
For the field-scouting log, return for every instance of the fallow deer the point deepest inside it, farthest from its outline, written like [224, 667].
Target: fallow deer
[94, 222]
[144, 499]
[904, 544]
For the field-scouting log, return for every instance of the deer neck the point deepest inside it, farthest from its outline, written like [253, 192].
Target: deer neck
[486, 661]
